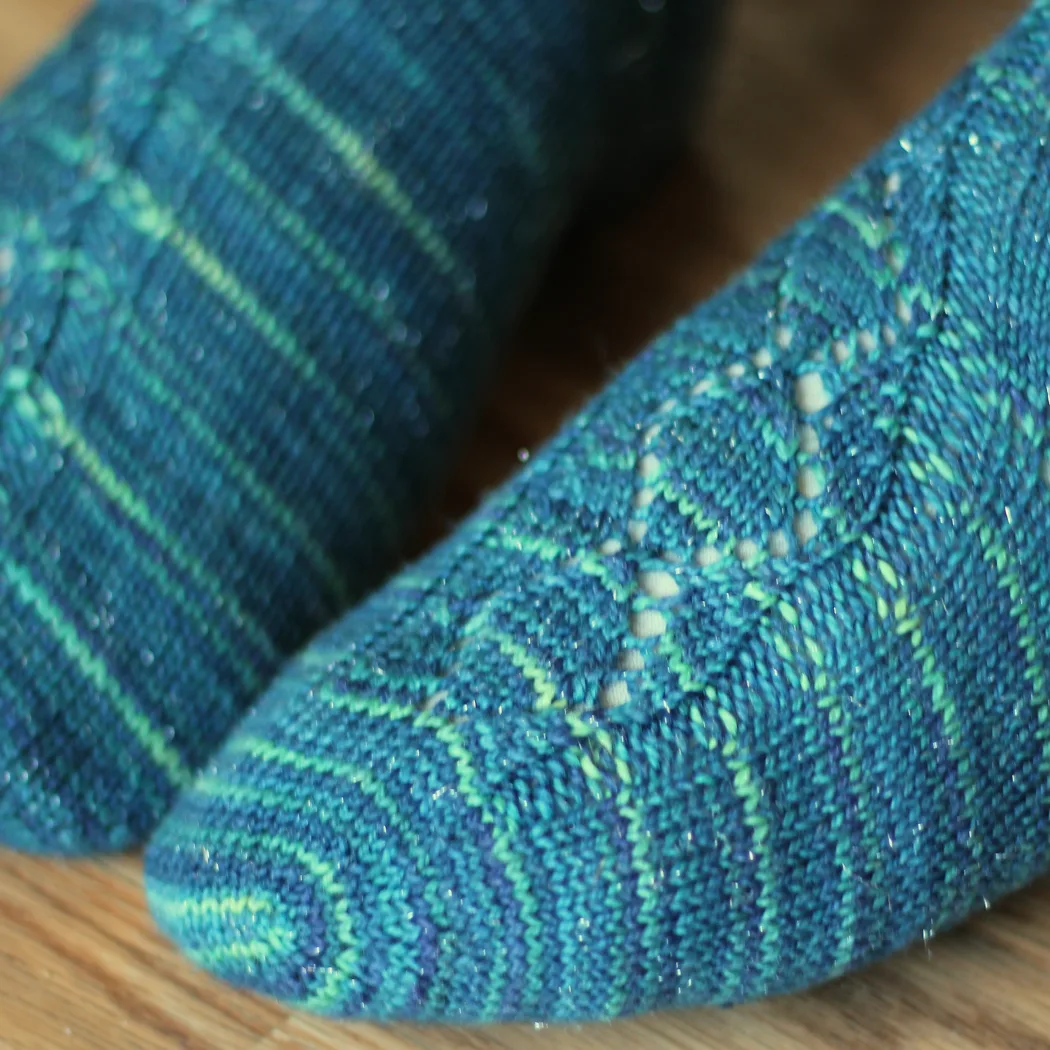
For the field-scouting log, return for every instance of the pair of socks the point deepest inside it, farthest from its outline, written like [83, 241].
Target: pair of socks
[738, 686]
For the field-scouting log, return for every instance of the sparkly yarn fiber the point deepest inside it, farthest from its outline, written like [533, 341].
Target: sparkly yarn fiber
[738, 686]
[254, 258]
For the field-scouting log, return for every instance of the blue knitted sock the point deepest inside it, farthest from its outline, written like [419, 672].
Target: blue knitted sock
[741, 684]
[253, 260]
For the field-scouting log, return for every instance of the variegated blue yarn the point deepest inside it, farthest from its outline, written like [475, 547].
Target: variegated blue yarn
[738, 686]
[254, 260]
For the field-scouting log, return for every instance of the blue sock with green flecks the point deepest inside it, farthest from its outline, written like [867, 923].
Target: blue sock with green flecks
[741, 684]
[254, 258]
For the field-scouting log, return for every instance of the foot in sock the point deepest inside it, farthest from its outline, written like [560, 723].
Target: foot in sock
[253, 261]
[738, 686]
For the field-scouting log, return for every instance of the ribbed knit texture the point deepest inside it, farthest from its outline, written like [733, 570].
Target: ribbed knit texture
[739, 685]
[254, 257]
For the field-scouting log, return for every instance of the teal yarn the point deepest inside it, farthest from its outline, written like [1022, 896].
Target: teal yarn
[254, 261]
[738, 686]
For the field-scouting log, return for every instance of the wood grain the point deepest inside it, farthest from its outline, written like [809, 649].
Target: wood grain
[804, 89]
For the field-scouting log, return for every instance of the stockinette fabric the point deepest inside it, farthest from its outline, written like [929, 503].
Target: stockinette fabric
[738, 686]
[254, 259]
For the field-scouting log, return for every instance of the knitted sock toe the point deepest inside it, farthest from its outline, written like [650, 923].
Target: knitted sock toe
[254, 258]
[738, 686]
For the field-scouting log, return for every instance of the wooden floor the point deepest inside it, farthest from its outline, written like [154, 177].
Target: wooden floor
[806, 87]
